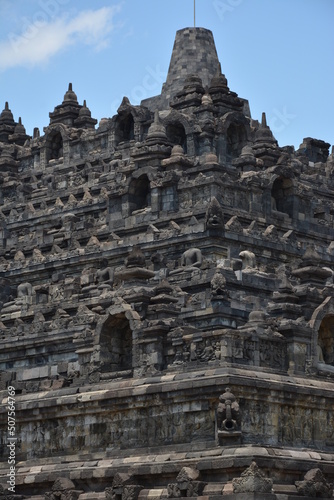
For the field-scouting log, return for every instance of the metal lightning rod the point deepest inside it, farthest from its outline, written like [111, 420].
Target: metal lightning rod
[194, 13]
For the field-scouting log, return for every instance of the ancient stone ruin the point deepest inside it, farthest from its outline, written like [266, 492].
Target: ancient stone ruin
[167, 298]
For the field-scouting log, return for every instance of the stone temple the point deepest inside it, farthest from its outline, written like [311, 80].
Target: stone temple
[167, 299]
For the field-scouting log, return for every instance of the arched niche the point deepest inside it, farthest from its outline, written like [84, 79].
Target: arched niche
[282, 195]
[125, 128]
[176, 135]
[54, 146]
[116, 344]
[326, 340]
[139, 193]
[322, 324]
[236, 139]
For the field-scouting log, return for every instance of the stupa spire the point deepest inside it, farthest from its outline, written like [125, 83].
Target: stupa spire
[194, 53]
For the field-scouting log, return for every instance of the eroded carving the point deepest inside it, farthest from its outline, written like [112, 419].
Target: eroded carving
[228, 416]
[315, 485]
[252, 480]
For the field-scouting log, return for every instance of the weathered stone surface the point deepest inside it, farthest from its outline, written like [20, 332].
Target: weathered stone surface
[149, 264]
[252, 480]
[315, 485]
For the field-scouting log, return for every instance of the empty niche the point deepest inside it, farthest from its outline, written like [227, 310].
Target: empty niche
[54, 147]
[282, 195]
[176, 134]
[116, 344]
[236, 139]
[125, 128]
[139, 193]
[326, 340]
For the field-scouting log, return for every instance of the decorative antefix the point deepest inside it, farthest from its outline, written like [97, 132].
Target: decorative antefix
[315, 485]
[124, 486]
[252, 480]
[188, 484]
[228, 419]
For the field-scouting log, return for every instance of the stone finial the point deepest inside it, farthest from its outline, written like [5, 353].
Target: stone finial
[85, 119]
[264, 134]
[19, 128]
[70, 96]
[84, 110]
[314, 485]
[264, 121]
[219, 82]
[157, 129]
[252, 480]
[6, 116]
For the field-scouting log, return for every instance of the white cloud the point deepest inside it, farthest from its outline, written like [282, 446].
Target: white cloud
[43, 38]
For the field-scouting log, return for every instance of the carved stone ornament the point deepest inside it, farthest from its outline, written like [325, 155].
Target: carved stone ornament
[124, 486]
[63, 489]
[228, 417]
[187, 484]
[252, 480]
[214, 215]
[314, 485]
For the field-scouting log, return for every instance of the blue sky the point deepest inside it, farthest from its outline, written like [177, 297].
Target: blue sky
[278, 54]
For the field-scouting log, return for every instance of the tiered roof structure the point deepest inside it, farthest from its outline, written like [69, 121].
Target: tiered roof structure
[167, 298]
